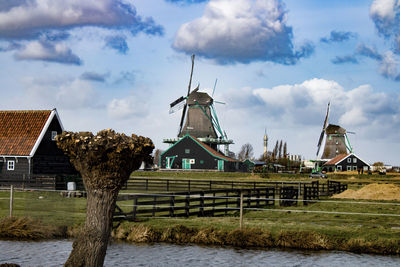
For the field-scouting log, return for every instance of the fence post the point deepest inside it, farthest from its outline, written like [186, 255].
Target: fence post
[135, 202]
[201, 211]
[187, 205]
[11, 199]
[171, 206]
[241, 211]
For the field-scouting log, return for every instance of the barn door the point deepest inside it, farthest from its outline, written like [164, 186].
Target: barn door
[186, 164]
[220, 165]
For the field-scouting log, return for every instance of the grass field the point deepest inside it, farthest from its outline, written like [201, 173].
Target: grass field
[358, 231]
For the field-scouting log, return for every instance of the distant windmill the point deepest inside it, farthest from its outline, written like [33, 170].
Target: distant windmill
[199, 117]
[336, 141]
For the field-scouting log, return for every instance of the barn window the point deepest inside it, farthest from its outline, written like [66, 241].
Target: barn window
[187, 151]
[349, 168]
[339, 168]
[349, 160]
[53, 135]
[354, 168]
[354, 160]
[10, 165]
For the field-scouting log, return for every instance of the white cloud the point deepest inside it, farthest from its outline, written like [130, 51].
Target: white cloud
[241, 31]
[60, 92]
[305, 104]
[383, 9]
[27, 19]
[386, 16]
[388, 66]
[48, 51]
[77, 94]
[125, 108]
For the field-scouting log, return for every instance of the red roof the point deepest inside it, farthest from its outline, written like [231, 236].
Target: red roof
[212, 151]
[19, 130]
[336, 159]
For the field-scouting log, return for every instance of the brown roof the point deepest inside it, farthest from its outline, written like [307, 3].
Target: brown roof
[336, 159]
[212, 151]
[19, 130]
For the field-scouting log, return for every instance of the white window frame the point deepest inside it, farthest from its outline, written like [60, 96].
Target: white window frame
[348, 160]
[10, 165]
[354, 168]
[354, 160]
[348, 168]
[53, 135]
[339, 168]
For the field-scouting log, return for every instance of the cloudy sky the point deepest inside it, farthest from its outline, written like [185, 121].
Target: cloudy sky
[119, 63]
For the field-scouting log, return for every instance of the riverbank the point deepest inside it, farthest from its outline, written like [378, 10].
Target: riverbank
[218, 232]
[256, 238]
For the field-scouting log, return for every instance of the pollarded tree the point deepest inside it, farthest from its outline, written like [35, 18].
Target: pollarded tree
[105, 162]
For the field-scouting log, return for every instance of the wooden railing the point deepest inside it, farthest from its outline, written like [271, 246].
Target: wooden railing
[194, 203]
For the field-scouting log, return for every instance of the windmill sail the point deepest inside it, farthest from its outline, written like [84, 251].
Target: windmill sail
[321, 137]
[185, 106]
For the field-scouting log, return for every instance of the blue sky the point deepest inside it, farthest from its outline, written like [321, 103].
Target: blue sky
[119, 63]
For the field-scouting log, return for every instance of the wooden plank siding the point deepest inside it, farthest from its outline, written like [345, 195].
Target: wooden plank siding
[204, 159]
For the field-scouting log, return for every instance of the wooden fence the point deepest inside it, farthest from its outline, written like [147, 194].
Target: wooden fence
[194, 203]
[209, 203]
[180, 185]
[51, 182]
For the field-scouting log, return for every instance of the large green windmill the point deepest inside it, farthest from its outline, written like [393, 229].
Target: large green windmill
[199, 118]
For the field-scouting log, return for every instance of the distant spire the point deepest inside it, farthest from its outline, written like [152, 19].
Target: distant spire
[265, 143]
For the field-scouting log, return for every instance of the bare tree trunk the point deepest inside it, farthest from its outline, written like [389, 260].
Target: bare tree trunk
[90, 249]
[105, 162]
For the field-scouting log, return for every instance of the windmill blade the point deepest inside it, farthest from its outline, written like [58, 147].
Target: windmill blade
[326, 117]
[215, 84]
[177, 107]
[321, 137]
[186, 104]
[176, 102]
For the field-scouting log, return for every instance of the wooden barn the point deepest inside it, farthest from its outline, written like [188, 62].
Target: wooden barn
[189, 153]
[346, 162]
[27, 146]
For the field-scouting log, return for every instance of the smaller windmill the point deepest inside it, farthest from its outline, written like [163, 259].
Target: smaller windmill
[336, 141]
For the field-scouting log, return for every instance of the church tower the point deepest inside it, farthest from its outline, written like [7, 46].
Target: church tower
[265, 144]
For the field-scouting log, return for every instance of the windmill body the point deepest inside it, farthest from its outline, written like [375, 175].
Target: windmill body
[335, 143]
[199, 117]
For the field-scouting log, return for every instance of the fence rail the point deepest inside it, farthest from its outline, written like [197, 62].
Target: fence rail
[215, 202]
[53, 182]
[180, 185]
[194, 203]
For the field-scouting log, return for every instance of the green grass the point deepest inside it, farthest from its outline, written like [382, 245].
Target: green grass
[365, 233]
[49, 207]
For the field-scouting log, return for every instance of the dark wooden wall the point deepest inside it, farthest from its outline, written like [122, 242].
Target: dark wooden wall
[49, 159]
[196, 152]
[21, 169]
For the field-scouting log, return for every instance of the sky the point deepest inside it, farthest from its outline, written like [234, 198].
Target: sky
[120, 63]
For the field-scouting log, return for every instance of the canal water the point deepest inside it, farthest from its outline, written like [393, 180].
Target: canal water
[55, 253]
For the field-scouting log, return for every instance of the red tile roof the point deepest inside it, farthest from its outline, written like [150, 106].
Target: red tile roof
[212, 151]
[19, 130]
[336, 159]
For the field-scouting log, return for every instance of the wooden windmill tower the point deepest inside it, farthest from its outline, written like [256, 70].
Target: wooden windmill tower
[336, 141]
[199, 118]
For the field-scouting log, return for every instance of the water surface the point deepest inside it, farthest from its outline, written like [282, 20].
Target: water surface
[55, 253]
